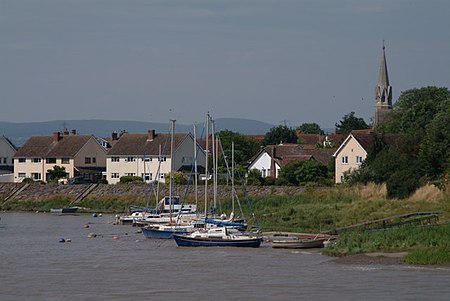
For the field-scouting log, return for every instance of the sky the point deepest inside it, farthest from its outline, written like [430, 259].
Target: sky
[276, 61]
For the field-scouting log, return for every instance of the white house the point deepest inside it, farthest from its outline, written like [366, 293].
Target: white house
[148, 156]
[7, 152]
[270, 159]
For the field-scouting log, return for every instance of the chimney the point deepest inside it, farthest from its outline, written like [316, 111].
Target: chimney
[56, 136]
[115, 136]
[151, 135]
[74, 132]
[272, 162]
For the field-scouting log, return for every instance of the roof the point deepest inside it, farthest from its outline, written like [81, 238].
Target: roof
[46, 146]
[7, 141]
[365, 139]
[313, 139]
[139, 144]
[285, 153]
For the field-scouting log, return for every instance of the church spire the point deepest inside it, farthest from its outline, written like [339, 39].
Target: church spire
[383, 91]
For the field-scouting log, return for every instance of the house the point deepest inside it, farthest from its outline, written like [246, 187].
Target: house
[149, 156]
[80, 155]
[351, 153]
[271, 158]
[7, 152]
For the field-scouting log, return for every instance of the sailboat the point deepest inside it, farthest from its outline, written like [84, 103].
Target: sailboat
[224, 233]
[174, 225]
[217, 237]
[222, 220]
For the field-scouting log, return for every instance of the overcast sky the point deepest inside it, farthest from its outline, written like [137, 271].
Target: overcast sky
[270, 60]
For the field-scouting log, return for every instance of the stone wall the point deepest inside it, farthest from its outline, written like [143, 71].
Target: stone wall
[36, 192]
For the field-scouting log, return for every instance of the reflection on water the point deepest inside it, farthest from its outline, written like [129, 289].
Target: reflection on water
[119, 264]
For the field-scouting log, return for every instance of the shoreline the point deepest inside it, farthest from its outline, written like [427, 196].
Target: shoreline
[380, 258]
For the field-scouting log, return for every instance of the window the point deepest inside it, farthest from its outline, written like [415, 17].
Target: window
[130, 159]
[146, 176]
[359, 159]
[22, 175]
[263, 173]
[162, 176]
[65, 160]
[87, 160]
[2, 160]
[22, 160]
[130, 174]
[114, 175]
[147, 159]
[36, 160]
[345, 160]
[162, 159]
[115, 159]
[36, 176]
[94, 160]
[50, 160]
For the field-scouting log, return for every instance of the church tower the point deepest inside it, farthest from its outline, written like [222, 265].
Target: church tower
[383, 92]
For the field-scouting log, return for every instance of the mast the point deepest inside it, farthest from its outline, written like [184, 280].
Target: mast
[206, 164]
[158, 175]
[232, 177]
[171, 167]
[214, 158]
[195, 166]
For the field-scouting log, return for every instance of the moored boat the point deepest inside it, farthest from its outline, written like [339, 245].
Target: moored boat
[302, 243]
[64, 210]
[217, 237]
[166, 231]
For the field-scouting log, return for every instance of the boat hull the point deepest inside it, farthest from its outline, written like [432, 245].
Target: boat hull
[162, 234]
[65, 210]
[183, 241]
[299, 244]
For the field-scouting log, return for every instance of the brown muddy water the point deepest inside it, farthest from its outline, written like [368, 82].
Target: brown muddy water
[119, 264]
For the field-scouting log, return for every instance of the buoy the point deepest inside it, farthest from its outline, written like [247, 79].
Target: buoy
[94, 214]
[68, 240]
[99, 214]
[92, 235]
[62, 240]
[115, 237]
[86, 226]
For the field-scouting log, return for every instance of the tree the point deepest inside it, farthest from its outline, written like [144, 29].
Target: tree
[179, 178]
[421, 152]
[311, 171]
[434, 152]
[310, 128]
[58, 172]
[280, 134]
[287, 173]
[244, 147]
[349, 123]
[415, 109]
[255, 178]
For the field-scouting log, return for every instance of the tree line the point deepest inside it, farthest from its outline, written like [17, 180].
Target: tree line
[420, 121]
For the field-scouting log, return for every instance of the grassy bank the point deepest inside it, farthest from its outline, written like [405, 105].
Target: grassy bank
[316, 211]
[425, 244]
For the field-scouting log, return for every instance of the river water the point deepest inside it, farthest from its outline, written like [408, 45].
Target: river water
[120, 264]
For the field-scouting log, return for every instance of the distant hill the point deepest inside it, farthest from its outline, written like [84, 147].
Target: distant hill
[18, 133]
